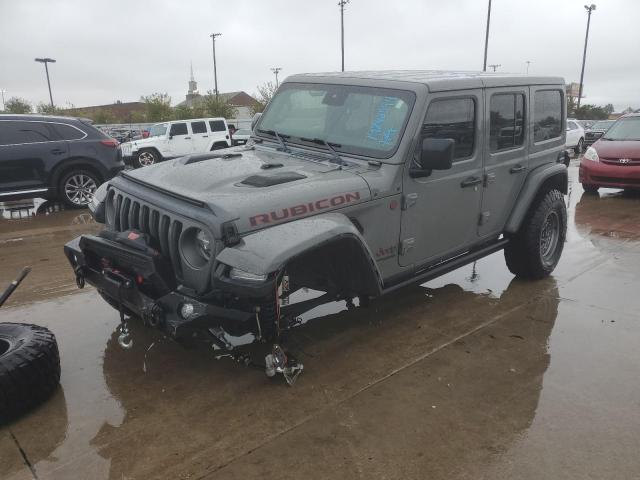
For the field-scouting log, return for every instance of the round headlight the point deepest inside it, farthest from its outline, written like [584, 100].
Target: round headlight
[203, 244]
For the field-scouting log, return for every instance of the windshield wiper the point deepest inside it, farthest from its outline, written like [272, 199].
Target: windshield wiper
[330, 146]
[279, 136]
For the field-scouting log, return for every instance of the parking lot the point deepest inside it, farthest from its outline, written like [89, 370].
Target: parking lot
[473, 375]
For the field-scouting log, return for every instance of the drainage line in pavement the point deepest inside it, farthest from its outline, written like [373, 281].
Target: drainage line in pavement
[24, 456]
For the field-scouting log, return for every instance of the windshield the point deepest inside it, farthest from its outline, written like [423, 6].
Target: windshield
[602, 125]
[358, 120]
[624, 129]
[158, 130]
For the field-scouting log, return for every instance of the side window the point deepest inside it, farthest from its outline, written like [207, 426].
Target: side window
[453, 118]
[506, 124]
[18, 132]
[547, 115]
[198, 127]
[67, 132]
[178, 129]
[217, 126]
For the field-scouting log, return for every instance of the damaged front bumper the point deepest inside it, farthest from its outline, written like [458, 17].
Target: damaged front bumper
[142, 283]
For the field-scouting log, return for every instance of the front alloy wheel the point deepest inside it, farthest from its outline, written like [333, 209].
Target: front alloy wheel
[78, 188]
[146, 158]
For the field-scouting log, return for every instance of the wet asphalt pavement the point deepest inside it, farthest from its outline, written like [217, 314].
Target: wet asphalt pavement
[474, 375]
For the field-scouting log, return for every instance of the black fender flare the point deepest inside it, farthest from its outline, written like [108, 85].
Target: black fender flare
[539, 180]
[270, 250]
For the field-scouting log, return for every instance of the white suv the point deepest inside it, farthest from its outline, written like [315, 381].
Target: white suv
[176, 139]
[575, 136]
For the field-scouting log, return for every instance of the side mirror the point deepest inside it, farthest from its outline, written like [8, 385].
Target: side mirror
[436, 154]
[170, 136]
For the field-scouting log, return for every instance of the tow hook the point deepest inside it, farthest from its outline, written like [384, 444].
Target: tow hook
[279, 362]
[124, 339]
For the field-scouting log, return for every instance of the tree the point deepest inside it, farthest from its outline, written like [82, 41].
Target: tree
[215, 107]
[48, 109]
[592, 112]
[101, 116]
[157, 107]
[182, 112]
[17, 105]
[266, 91]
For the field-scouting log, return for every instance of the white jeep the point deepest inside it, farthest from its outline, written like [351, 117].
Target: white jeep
[176, 139]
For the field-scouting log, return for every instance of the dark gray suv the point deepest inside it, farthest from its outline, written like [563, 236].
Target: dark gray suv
[54, 157]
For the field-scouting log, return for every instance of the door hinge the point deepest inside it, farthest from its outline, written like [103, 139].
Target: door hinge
[484, 217]
[409, 200]
[489, 178]
[406, 245]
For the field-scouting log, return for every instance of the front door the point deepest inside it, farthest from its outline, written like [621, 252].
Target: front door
[440, 211]
[180, 140]
[505, 159]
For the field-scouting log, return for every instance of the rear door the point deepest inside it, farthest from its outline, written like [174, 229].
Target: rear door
[28, 150]
[440, 212]
[200, 136]
[505, 157]
[180, 140]
[219, 132]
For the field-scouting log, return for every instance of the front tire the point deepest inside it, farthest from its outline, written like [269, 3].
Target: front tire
[580, 147]
[146, 158]
[535, 250]
[77, 187]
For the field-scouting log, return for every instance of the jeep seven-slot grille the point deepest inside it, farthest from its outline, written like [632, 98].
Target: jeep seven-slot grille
[130, 214]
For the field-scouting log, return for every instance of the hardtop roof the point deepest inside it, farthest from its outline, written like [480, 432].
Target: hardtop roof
[435, 80]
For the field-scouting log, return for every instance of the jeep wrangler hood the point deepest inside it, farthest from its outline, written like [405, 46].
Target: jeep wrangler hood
[257, 188]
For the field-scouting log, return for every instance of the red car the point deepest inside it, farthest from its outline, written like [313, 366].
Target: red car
[614, 160]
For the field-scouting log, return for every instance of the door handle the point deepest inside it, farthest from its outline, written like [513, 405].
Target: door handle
[57, 151]
[205, 136]
[517, 168]
[470, 182]
[187, 138]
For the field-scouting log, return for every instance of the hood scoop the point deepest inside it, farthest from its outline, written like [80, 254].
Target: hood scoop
[273, 179]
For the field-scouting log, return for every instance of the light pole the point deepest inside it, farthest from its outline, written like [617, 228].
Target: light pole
[2, 92]
[589, 9]
[215, 72]
[494, 66]
[486, 39]
[342, 4]
[46, 68]
[276, 70]
[528, 62]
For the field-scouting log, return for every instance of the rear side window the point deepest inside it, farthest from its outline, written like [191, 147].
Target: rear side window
[217, 126]
[453, 118]
[67, 132]
[178, 129]
[17, 132]
[506, 128]
[198, 127]
[547, 114]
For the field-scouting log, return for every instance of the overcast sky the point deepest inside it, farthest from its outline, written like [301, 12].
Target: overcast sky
[120, 50]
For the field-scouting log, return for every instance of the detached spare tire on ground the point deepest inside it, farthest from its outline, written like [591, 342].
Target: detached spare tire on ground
[29, 368]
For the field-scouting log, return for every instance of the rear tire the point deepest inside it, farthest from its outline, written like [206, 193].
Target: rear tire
[590, 189]
[77, 187]
[579, 147]
[535, 250]
[29, 368]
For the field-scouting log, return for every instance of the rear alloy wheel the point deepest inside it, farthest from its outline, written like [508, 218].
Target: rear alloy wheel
[77, 188]
[535, 250]
[146, 158]
[579, 147]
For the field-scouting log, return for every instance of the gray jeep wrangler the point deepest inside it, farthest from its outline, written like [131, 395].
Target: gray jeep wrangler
[353, 184]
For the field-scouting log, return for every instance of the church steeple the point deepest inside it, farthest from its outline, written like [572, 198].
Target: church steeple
[193, 86]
